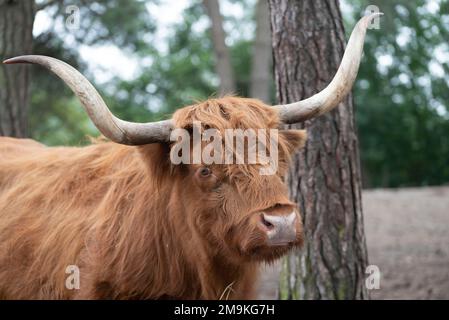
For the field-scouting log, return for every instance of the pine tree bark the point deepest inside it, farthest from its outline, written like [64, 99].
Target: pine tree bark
[16, 38]
[308, 43]
[223, 65]
[261, 56]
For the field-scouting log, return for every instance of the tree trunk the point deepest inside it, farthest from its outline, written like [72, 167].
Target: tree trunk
[16, 38]
[308, 42]
[223, 57]
[262, 56]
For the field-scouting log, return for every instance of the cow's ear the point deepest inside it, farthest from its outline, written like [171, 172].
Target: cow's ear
[156, 157]
[293, 139]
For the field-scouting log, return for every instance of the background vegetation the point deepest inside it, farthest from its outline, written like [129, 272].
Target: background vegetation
[401, 95]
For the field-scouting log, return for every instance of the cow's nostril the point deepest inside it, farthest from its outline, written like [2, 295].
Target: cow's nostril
[280, 229]
[265, 222]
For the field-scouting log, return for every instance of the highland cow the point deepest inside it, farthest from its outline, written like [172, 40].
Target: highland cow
[138, 226]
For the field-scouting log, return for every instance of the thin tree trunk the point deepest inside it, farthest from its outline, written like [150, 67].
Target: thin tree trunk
[223, 57]
[262, 56]
[308, 44]
[16, 38]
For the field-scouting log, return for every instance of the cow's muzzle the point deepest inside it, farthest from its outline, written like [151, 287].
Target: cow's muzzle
[280, 229]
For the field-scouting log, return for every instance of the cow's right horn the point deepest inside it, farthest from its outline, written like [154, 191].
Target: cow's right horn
[117, 130]
[338, 88]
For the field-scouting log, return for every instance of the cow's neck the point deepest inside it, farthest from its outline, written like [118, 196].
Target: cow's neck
[214, 275]
[234, 281]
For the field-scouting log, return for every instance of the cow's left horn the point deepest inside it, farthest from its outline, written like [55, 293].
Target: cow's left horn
[340, 85]
[117, 130]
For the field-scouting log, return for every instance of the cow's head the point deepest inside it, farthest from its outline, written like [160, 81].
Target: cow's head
[239, 210]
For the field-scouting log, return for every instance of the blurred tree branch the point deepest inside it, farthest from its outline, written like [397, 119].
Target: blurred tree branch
[222, 54]
[48, 3]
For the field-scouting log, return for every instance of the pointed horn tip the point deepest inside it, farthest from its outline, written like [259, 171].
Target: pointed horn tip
[366, 20]
[373, 15]
[15, 60]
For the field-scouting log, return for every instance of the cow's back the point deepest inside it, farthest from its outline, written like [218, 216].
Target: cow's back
[49, 197]
[12, 148]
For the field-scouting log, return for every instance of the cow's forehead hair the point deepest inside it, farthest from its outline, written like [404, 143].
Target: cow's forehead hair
[235, 113]
[228, 113]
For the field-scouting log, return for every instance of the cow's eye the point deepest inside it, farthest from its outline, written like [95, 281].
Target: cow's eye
[205, 172]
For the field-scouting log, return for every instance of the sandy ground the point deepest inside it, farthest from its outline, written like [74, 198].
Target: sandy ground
[407, 232]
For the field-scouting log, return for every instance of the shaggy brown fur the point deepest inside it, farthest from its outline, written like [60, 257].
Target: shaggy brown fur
[137, 226]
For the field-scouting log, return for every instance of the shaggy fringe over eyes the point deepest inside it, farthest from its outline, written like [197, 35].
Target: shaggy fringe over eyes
[242, 113]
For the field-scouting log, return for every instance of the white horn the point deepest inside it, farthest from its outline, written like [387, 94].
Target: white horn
[341, 84]
[117, 130]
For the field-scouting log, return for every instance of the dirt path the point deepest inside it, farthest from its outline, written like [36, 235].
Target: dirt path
[407, 233]
[408, 238]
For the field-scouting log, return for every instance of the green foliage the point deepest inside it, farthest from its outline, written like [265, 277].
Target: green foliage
[166, 81]
[241, 61]
[124, 23]
[185, 72]
[402, 111]
[56, 118]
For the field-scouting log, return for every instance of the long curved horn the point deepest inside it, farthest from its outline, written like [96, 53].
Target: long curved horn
[340, 85]
[117, 130]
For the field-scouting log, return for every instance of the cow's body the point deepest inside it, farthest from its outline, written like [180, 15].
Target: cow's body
[120, 214]
[48, 223]
[139, 226]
